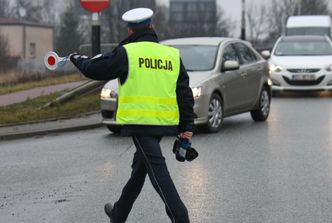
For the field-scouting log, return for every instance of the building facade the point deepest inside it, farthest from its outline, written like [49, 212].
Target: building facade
[193, 11]
[27, 41]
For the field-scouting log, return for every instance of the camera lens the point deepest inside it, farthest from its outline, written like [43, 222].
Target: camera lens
[191, 154]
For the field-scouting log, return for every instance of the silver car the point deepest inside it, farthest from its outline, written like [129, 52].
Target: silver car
[227, 77]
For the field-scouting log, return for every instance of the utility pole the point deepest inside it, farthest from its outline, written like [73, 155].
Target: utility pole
[243, 21]
[95, 6]
[299, 7]
[95, 34]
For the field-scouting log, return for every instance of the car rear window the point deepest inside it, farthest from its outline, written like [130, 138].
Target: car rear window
[198, 57]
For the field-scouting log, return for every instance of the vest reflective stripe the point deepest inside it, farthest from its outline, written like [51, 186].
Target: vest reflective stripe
[147, 100]
[146, 114]
[148, 97]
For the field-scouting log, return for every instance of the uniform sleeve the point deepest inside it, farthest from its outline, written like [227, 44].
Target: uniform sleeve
[185, 101]
[103, 67]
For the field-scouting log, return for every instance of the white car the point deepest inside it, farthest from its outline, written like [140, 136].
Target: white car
[301, 63]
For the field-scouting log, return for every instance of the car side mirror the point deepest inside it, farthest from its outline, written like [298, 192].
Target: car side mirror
[231, 65]
[266, 54]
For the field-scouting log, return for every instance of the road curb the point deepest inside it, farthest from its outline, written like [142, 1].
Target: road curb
[20, 135]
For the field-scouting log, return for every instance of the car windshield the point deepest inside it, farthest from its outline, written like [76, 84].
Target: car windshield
[303, 47]
[198, 57]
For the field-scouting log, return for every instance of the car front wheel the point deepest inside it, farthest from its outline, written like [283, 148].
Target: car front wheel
[215, 114]
[263, 110]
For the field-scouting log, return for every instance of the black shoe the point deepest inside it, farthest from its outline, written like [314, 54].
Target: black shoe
[108, 210]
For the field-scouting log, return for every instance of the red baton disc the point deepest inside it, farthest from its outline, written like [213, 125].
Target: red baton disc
[51, 60]
[95, 5]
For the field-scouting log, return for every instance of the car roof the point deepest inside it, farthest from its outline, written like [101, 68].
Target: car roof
[212, 41]
[309, 21]
[306, 37]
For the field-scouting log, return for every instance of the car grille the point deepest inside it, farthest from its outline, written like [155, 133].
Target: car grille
[303, 82]
[303, 71]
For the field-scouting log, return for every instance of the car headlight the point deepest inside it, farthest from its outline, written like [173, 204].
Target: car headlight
[275, 68]
[107, 93]
[329, 68]
[197, 92]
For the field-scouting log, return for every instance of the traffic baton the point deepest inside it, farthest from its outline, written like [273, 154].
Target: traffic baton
[52, 61]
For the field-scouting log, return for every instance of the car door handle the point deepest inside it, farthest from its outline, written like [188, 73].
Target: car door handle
[244, 74]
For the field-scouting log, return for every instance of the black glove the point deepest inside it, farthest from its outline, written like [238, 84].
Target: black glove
[74, 56]
[185, 127]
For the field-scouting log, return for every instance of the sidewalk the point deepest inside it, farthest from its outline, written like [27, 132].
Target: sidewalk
[21, 96]
[8, 132]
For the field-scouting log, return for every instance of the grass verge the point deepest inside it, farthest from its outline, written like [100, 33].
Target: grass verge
[42, 83]
[29, 110]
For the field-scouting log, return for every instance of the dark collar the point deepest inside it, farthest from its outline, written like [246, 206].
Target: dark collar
[141, 35]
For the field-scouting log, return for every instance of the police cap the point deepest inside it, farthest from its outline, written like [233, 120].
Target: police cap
[138, 17]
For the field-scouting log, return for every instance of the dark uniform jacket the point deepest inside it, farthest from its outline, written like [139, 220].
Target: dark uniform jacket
[114, 65]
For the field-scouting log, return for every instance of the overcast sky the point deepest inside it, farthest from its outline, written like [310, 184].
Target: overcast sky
[232, 8]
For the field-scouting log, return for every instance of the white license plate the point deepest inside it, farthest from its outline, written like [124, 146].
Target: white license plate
[303, 77]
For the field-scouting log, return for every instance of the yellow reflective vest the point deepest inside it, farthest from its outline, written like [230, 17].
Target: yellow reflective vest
[148, 96]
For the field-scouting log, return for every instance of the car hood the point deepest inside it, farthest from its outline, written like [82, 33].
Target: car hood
[112, 85]
[195, 79]
[302, 61]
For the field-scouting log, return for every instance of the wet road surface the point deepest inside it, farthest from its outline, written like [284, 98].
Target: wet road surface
[278, 171]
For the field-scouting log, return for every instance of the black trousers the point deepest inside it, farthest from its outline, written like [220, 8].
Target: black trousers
[148, 160]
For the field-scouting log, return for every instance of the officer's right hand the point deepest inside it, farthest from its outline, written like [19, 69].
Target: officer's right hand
[186, 135]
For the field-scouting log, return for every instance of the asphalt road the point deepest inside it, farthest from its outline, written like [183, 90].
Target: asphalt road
[278, 171]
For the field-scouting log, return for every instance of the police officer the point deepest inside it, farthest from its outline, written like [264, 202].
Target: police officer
[154, 100]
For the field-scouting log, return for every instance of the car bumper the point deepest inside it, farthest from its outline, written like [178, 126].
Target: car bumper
[201, 109]
[108, 121]
[108, 109]
[109, 106]
[284, 81]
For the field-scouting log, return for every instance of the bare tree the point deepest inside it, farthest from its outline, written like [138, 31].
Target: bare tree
[117, 28]
[27, 10]
[48, 12]
[4, 49]
[4, 53]
[30, 10]
[309, 7]
[224, 24]
[68, 38]
[5, 9]
[257, 23]
[115, 24]
[280, 10]
[161, 22]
